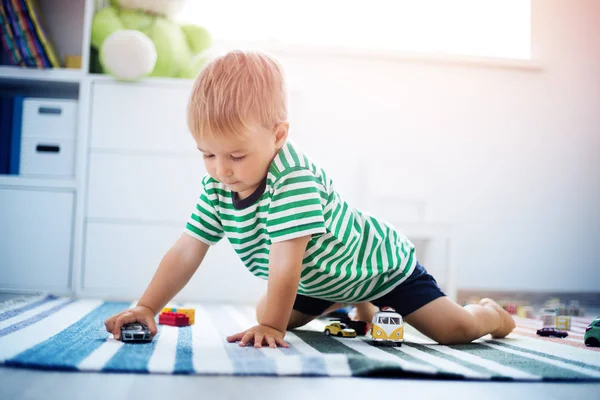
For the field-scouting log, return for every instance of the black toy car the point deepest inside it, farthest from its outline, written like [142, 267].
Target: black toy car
[552, 332]
[135, 332]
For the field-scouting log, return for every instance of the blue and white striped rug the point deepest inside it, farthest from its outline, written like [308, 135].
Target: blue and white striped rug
[67, 334]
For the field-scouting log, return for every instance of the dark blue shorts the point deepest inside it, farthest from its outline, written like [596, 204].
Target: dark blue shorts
[419, 289]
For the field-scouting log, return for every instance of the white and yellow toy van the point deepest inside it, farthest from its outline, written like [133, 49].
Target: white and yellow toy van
[388, 327]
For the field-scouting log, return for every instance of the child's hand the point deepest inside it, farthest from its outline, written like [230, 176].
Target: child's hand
[259, 334]
[137, 314]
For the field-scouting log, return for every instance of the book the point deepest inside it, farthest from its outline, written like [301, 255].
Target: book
[20, 41]
[15, 141]
[6, 116]
[26, 26]
[37, 21]
[24, 36]
[8, 38]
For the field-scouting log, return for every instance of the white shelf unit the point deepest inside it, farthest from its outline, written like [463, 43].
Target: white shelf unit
[39, 215]
[16, 181]
[68, 23]
[12, 73]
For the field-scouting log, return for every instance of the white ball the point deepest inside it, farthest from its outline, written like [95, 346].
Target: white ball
[128, 55]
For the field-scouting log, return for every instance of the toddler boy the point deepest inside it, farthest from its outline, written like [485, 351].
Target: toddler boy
[289, 225]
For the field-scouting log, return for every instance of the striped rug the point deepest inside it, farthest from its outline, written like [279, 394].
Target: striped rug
[51, 332]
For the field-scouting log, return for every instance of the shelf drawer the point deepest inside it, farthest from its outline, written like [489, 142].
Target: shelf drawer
[49, 118]
[144, 188]
[47, 157]
[121, 258]
[35, 245]
[140, 118]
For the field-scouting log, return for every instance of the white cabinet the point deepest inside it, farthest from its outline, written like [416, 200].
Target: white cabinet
[121, 258]
[35, 243]
[39, 207]
[144, 179]
[143, 187]
[140, 117]
[143, 164]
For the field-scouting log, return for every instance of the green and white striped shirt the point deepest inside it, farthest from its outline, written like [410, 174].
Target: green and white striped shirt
[351, 256]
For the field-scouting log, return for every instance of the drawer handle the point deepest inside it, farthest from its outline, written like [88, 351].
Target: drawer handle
[50, 110]
[47, 148]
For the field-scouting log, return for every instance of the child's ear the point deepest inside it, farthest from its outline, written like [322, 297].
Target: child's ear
[281, 133]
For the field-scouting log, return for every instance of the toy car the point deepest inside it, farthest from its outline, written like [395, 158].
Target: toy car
[388, 327]
[361, 327]
[135, 332]
[592, 334]
[339, 329]
[552, 332]
[343, 315]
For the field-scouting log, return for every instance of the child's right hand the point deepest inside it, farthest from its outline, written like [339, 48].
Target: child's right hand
[137, 314]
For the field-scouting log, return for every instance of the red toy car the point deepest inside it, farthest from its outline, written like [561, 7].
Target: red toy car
[173, 319]
[552, 332]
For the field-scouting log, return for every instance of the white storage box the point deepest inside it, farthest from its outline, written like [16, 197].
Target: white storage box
[48, 137]
[49, 118]
[47, 157]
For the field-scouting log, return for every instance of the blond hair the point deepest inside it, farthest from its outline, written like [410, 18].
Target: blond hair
[235, 92]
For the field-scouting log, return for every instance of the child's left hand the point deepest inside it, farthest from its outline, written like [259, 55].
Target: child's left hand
[259, 334]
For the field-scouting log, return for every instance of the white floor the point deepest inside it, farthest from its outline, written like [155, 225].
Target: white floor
[20, 384]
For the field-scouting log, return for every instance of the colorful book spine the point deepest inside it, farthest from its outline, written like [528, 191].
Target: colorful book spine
[8, 39]
[25, 24]
[36, 19]
[18, 35]
[24, 36]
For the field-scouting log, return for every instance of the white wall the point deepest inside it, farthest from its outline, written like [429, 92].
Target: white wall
[511, 156]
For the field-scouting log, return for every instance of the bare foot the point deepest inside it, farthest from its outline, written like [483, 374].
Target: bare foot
[508, 323]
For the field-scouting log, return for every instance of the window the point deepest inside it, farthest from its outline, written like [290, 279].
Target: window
[383, 320]
[395, 320]
[482, 28]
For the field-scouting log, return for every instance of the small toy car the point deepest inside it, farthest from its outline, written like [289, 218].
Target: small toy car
[592, 334]
[343, 315]
[339, 329]
[135, 332]
[388, 327]
[552, 332]
[361, 327]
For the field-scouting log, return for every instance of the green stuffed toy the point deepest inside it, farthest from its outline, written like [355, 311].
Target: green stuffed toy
[138, 38]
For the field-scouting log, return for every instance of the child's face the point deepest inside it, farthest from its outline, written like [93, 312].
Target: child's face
[241, 164]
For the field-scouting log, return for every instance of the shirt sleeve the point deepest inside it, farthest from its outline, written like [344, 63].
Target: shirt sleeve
[204, 223]
[296, 207]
